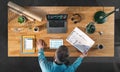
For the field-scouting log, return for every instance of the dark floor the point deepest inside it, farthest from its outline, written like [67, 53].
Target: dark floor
[90, 64]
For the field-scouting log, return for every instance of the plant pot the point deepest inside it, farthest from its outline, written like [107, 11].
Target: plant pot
[90, 28]
[21, 19]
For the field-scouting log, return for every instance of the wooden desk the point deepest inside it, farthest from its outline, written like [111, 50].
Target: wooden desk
[87, 13]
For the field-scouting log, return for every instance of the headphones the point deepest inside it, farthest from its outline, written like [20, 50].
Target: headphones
[76, 18]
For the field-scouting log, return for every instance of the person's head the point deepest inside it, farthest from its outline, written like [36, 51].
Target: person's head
[61, 54]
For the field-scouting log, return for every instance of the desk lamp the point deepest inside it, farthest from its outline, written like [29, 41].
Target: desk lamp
[100, 17]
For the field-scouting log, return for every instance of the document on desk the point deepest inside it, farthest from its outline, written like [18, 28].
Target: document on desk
[55, 43]
[28, 43]
[80, 40]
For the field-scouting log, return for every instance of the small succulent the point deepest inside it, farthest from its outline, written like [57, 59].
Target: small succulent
[21, 19]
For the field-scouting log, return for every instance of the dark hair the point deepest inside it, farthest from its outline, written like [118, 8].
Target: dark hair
[62, 53]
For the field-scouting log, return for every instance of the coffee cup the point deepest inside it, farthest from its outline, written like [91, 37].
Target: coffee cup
[36, 29]
[100, 46]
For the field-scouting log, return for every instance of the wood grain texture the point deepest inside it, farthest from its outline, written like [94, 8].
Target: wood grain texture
[87, 13]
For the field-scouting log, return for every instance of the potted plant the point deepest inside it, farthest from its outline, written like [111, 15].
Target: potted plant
[21, 19]
[90, 28]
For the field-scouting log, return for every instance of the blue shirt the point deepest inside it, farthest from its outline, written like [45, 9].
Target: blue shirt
[48, 66]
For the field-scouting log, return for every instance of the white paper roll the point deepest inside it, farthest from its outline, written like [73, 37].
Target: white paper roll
[24, 11]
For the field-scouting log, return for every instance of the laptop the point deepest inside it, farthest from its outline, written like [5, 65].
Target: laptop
[57, 23]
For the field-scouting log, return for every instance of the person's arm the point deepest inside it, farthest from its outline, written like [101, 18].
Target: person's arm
[44, 64]
[40, 45]
[78, 61]
[41, 56]
[75, 65]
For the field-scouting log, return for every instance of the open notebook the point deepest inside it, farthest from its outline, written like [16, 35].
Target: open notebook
[28, 43]
[55, 43]
[80, 40]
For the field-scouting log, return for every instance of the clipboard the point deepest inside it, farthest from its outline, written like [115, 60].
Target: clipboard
[28, 44]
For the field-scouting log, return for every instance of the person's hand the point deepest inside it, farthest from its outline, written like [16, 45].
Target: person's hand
[83, 55]
[40, 44]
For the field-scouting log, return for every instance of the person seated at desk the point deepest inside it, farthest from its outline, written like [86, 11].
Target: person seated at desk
[60, 61]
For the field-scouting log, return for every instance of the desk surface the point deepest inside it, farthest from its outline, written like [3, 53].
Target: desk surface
[87, 13]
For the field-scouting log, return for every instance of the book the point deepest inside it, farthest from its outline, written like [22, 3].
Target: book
[28, 44]
[80, 40]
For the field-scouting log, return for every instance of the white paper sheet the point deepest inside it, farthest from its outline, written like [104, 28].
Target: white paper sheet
[28, 43]
[55, 43]
[80, 40]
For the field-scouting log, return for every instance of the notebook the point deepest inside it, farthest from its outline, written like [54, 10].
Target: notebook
[28, 44]
[80, 40]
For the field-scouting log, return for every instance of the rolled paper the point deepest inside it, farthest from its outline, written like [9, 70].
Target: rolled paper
[17, 12]
[24, 11]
